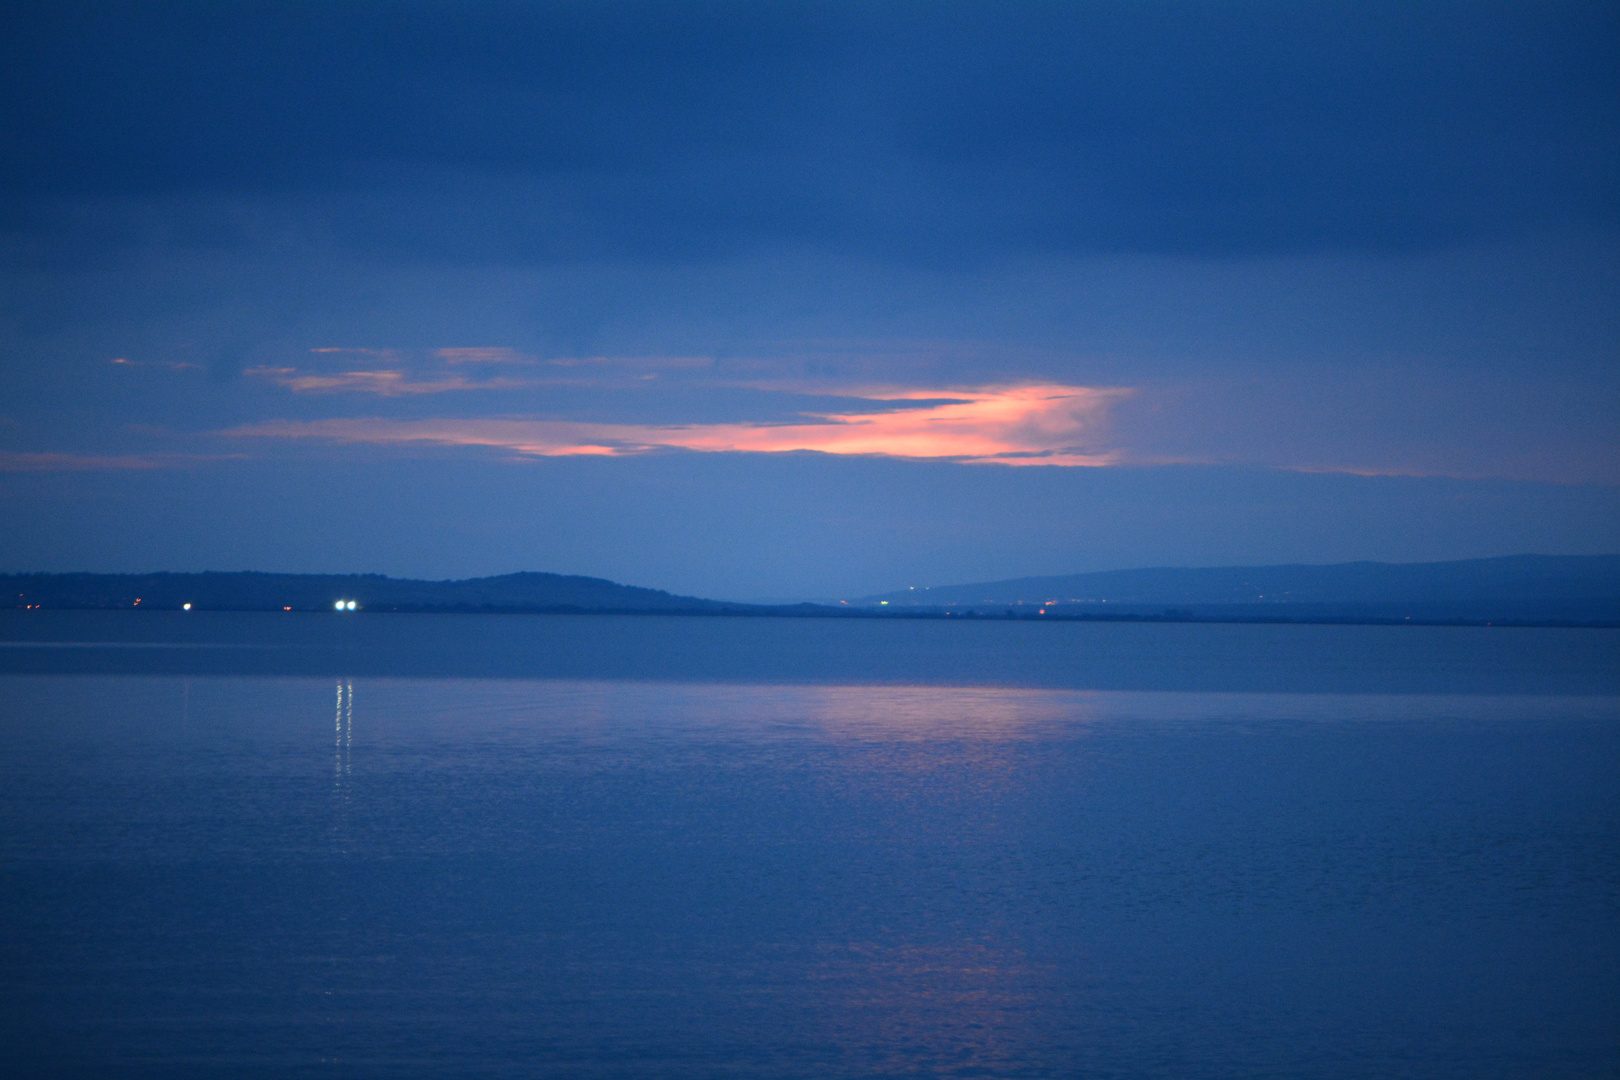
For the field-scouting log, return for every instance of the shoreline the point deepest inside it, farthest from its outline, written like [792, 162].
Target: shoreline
[822, 611]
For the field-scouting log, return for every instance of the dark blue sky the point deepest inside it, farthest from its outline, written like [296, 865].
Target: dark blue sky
[806, 300]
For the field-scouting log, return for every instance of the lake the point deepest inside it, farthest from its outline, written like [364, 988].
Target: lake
[614, 846]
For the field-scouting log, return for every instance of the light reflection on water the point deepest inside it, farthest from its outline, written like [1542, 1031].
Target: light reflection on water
[342, 766]
[603, 879]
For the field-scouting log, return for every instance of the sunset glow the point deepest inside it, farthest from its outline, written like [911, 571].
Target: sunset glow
[1039, 424]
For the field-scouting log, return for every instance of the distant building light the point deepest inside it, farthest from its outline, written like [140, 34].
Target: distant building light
[351, 605]
[286, 609]
[343, 605]
[883, 601]
[185, 607]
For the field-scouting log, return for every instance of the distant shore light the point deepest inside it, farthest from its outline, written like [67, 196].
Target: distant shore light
[185, 607]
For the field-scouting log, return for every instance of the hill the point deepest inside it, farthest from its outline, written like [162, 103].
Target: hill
[1522, 589]
[251, 591]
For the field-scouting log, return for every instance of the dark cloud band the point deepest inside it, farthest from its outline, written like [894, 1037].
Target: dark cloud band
[933, 133]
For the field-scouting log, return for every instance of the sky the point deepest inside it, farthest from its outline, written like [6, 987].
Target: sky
[781, 300]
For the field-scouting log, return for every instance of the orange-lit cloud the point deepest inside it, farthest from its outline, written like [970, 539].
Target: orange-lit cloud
[1045, 424]
[392, 373]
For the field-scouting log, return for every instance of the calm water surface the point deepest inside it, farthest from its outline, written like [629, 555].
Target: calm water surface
[223, 872]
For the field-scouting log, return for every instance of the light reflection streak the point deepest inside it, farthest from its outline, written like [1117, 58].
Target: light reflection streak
[926, 765]
[342, 750]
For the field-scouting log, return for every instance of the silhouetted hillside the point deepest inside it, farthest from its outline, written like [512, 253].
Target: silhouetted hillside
[249, 591]
[1524, 590]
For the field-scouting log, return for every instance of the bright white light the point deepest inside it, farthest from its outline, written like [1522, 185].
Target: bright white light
[185, 607]
[351, 605]
[340, 605]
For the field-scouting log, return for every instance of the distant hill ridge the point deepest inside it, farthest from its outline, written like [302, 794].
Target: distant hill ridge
[254, 591]
[1582, 579]
[1514, 590]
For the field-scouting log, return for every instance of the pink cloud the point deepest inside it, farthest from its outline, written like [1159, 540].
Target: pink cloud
[1043, 424]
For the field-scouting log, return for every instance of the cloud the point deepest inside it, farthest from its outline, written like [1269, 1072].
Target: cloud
[399, 374]
[387, 382]
[928, 132]
[484, 356]
[1034, 424]
[636, 363]
[167, 365]
[12, 462]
